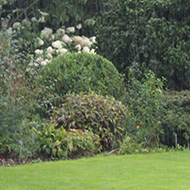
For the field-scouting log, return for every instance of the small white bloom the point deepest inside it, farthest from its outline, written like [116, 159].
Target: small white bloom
[40, 42]
[57, 44]
[49, 56]
[43, 63]
[48, 60]
[92, 51]
[38, 52]
[33, 19]
[39, 59]
[70, 29]
[85, 38]
[26, 23]
[47, 33]
[77, 39]
[78, 47]
[49, 50]
[83, 41]
[93, 39]
[60, 32]
[79, 26]
[61, 51]
[86, 49]
[36, 64]
[43, 13]
[66, 39]
[52, 37]
[16, 25]
[41, 19]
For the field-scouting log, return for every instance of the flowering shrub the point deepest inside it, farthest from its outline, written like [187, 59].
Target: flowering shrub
[36, 42]
[98, 114]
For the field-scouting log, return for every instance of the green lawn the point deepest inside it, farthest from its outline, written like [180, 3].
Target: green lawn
[143, 172]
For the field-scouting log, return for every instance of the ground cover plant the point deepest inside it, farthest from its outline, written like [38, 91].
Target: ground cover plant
[142, 171]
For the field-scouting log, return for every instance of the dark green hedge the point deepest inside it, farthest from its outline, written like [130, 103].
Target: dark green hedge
[148, 34]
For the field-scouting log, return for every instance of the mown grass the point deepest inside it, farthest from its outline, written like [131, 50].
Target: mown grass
[136, 172]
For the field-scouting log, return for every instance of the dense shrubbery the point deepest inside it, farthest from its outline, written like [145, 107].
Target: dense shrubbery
[16, 99]
[148, 35]
[55, 13]
[57, 142]
[95, 113]
[146, 103]
[177, 119]
[75, 73]
[47, 107]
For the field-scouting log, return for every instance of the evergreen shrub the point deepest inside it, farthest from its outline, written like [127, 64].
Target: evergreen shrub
[76, 72]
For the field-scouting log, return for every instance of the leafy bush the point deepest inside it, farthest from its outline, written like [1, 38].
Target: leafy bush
[16, 99]
[58, 143]
[149, 34]
[177, 119]
[146, 103]
[94, 113]
[83, 142]
[75, 73]
[53, 142]
[128, 145]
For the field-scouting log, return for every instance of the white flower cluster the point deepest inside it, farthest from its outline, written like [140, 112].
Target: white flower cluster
[58, 43]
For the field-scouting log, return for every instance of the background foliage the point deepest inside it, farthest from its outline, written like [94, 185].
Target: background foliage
[177, 119]
[148, 35]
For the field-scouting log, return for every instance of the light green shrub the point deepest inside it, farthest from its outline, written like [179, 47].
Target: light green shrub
[76, 72]
[57, 142]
